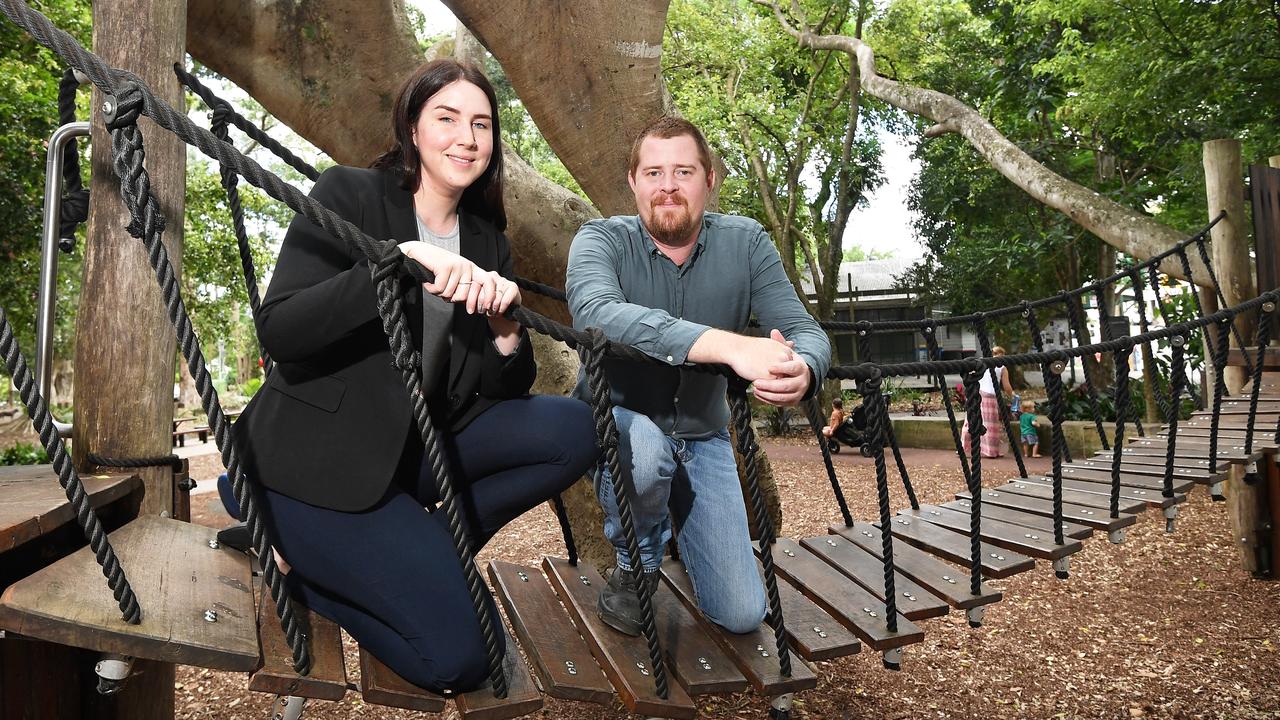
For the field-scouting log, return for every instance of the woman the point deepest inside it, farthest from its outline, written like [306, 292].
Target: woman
[993, 442]
[330, 438]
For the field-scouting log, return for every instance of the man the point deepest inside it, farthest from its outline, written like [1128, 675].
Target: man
[680, 284]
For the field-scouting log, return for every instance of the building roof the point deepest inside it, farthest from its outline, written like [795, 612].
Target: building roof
[866, 275]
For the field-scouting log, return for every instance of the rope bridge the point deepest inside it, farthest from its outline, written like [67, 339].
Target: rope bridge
[128, 98]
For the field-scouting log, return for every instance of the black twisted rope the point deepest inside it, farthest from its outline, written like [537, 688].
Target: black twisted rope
[563, 517]
[68, 478]
[814, 414]
[221, 115]
[1176, 378]
[170, 461]
[984, 342]
[864, 354]
[1217, 289]
[973, 412]
[1052, 372]
[1152, 262]
[541, 289]
[244, 124]
[408, 362]
[1075, 319]
[74, 204]
[1222, 340]
[1264, 337]
[747, 448]
[1153, 277]
[147, 223]
[1122, 414]
[592, 357]
[1147, 355]
[1037, 342]
[931, 342]
[877, 417]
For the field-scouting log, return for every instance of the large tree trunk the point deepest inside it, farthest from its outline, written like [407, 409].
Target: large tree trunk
[588, 71]
[1127, 230]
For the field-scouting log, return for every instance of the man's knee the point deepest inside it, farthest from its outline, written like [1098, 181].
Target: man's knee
[743, 616]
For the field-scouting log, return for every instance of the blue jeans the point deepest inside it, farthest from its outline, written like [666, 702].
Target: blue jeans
[693, 483]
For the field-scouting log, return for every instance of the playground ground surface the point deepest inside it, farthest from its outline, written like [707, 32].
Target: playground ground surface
[1162, 626]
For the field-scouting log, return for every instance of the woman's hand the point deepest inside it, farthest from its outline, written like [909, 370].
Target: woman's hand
[457, 279]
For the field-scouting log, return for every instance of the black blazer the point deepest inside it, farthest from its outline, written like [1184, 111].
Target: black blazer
[332, 421]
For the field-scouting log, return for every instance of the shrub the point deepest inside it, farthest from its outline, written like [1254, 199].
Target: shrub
[23, 454]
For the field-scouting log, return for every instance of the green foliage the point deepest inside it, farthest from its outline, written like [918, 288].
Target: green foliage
[1116, 97]
[28, 106]
[23, 454]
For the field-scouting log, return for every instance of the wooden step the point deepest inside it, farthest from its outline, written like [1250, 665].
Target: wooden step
[914, 602]
[1127, 481]
[812, 631]
[857, 609]
[1025, 519]
[625, 660]
[1091, 516]
[33, 504]
[380, 685]
[1140, 475]
[1002, 535]
[950, 545]
[701, 665]
[1156, 462]
[560, 657]
[753, 653]
[1044, 491]
[327, 679]
[177, 578]
[945, 581]
[1151, 498]
[522, 697]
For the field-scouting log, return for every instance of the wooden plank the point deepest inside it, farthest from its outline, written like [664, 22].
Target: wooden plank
[939, 578]
[176, 576]
[1141, 475]
[1091, 516]
[625, 660]
[379, 685]
[560, 657]
[754, 653]
[1151, 498]
[1134, 460]
[1075, 497]
[996, 562]
[327, 679]
[33, 504]
[1003, 535]
[522, 694]
[1181, 484]
[699, 663]
[811, 630]
[914, 602]
[1024, 519]
[859, 610]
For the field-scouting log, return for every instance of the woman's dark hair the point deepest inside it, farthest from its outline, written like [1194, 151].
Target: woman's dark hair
[484, 196]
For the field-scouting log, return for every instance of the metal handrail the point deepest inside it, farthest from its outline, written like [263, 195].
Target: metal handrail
[49, 258]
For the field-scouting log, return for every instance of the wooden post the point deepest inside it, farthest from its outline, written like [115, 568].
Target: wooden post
[1224, 187]
[124, 342]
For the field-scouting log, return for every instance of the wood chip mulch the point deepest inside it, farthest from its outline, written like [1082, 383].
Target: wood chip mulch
[1161, 626]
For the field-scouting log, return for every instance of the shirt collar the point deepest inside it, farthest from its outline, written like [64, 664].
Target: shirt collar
[698, 246]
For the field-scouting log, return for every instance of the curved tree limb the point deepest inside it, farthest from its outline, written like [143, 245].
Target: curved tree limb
[1127, 230]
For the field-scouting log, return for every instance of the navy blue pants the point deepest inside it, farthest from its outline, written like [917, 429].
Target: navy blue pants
[390, 576]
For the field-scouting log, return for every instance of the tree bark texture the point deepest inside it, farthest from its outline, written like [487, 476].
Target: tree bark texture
[124, 340]
[590, 74]
[1224, 190]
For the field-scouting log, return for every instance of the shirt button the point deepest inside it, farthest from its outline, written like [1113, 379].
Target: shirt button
[670, 359]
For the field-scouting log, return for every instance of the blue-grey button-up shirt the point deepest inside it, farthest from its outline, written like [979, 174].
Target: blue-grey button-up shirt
[618, 281]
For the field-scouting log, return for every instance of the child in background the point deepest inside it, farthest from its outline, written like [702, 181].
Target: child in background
[1030, 439]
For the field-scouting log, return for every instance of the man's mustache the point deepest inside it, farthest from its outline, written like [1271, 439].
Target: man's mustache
[677, 197]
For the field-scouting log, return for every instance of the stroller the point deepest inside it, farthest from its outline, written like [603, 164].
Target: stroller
[851, 432]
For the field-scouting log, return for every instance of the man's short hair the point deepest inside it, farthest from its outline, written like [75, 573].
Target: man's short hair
[669, 127]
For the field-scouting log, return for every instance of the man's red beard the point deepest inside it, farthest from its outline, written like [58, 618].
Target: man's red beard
[670, 225]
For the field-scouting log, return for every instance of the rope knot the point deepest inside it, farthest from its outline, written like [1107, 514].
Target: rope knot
[1026, 308]
[123, 109]
[220, 118]
[389, 260]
